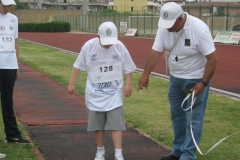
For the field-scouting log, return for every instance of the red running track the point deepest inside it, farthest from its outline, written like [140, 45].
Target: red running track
[226, 77]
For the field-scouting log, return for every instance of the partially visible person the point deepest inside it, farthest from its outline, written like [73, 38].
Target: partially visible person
[2, 155]
[9, 70]
[192, 63]
[106, 61]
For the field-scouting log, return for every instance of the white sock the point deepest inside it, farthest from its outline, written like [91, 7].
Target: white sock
[100, 150]
[118, 152]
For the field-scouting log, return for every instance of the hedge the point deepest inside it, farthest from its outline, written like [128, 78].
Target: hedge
[53, 26]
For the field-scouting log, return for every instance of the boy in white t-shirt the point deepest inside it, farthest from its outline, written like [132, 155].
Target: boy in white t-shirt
[106, 60]
[9, 71]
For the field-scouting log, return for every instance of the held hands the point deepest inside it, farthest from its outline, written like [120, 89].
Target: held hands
[71, 88]
[143, 81]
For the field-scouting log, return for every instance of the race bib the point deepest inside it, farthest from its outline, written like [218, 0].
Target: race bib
[106, 70]
[7, 42]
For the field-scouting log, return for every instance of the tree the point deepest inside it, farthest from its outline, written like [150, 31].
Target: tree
[19, 5]
[109, 10]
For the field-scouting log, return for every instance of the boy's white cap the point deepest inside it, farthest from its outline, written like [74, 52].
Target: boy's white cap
[8, 2]
[168, 14]
[108, 33]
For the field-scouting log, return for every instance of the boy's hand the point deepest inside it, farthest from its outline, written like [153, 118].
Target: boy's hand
[128, 90]
[71, 88]
[17, 75]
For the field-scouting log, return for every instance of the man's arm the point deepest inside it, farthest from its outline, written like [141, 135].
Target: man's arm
[150, 64]
[72, 81]
[210, 67]
[208, 73]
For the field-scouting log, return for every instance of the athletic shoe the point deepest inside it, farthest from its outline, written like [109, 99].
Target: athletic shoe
[100, 157]
[2, 155]
[19, 140]
[119, 157]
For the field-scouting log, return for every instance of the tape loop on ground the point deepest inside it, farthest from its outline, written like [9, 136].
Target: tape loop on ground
[192, 102]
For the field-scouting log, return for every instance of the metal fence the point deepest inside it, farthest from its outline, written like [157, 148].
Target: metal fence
[147, 23]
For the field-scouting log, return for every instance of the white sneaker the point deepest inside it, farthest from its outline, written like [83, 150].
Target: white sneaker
[100, 157]
[119, 157]
[2, 155]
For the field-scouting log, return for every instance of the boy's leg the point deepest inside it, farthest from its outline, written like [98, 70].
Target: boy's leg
[115, 123]
[117, 139]
[100, 137]
[96, 123]
[7, 81]
[7, 85]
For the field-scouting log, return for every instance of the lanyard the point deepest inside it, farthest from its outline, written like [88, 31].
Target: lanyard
[192, 102]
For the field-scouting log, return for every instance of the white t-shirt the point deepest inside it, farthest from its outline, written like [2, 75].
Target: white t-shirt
[194, 44]
[8, 34]
[106, 69]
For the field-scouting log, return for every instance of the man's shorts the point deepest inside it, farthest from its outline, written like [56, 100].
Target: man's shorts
[110, 120]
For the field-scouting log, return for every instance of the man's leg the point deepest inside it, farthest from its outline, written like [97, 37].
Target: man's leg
[176, 96]
[197, 119]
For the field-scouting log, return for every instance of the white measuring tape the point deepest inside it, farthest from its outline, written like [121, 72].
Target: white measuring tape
[192, 102]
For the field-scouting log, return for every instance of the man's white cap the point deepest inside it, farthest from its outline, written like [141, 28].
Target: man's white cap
[108, 33]
[168, 14]
[8, 2]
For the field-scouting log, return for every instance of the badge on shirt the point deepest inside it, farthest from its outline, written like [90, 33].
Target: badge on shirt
[2, 28]
[187, 42]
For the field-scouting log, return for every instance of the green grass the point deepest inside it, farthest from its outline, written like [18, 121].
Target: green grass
[148, 110]
[16, 151]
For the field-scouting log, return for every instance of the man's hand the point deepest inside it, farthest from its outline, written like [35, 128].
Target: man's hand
[143, 81]
[199, 88]
[150, 64]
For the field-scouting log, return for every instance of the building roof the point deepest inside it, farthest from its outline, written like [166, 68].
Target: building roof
[207, 4]
[165, 1]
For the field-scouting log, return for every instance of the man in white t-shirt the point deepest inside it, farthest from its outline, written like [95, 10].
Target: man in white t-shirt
[9, 70]
[192, 63]
[107, 61]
